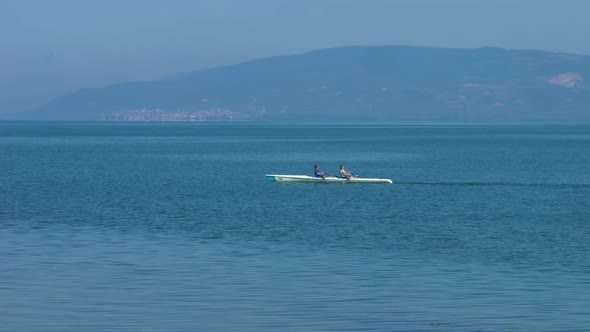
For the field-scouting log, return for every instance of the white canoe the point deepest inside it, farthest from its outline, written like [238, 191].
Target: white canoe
[327, 179]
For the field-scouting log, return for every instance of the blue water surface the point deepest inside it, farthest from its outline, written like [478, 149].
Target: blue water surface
[162, 227]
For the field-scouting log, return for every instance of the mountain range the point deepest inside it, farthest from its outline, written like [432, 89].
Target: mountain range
[403, 84]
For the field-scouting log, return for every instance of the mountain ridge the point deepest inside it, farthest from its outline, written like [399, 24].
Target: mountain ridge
[354, 83]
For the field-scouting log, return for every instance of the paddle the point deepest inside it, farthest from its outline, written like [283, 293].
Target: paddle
[352, 175]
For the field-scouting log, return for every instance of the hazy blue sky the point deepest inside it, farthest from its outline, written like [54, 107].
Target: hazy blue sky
[52, 47]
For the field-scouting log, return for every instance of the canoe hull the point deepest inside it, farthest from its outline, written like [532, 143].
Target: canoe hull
[328, 179]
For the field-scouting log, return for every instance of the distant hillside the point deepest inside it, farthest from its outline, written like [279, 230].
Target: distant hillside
[378, 83]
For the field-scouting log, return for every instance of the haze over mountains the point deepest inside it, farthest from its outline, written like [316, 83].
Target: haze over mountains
[370, 84]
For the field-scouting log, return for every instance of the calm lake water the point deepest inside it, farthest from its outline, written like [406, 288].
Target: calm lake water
[161, 227]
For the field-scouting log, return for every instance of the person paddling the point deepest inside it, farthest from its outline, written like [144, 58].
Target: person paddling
[318, 173]
[344, 173]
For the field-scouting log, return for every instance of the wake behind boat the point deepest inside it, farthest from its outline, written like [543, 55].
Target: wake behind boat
[326, 179]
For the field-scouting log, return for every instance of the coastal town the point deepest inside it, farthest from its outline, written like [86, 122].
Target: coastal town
[160, 115]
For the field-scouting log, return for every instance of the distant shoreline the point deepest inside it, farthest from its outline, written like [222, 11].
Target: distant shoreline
[301, 123]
